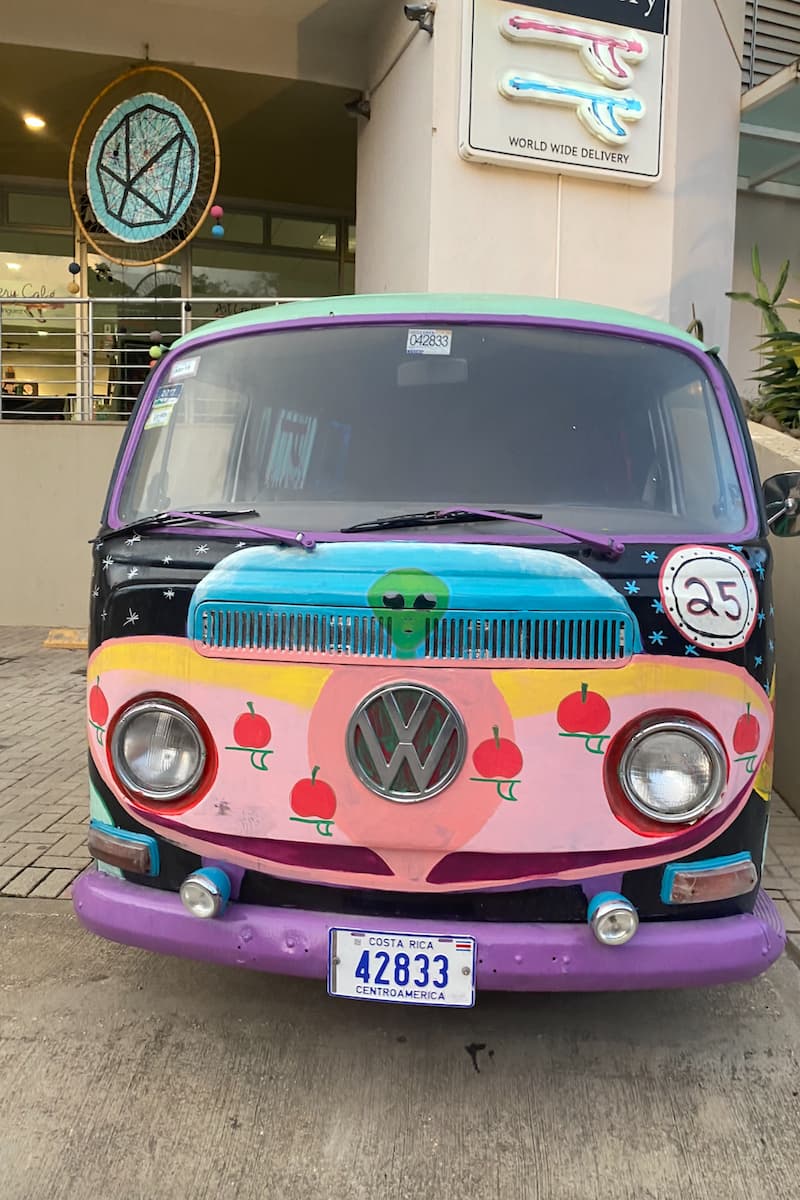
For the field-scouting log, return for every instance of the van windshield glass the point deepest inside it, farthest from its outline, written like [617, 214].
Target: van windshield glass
[318, 429]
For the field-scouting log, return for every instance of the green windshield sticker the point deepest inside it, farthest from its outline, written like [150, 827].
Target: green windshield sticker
[165, 400]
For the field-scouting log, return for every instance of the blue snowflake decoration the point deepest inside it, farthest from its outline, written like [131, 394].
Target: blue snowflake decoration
[650, 557]
[692, 652]
[632, 587]
[143, 168]
[758, 660]
[658, 607]
[658, 638]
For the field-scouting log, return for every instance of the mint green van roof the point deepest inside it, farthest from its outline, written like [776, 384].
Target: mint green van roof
[433, 304]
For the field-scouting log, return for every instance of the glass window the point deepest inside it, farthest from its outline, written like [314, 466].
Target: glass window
[351, 239]
[297, 233]
[39, 208]
[223, 272]
[239, 227]
[323, 428]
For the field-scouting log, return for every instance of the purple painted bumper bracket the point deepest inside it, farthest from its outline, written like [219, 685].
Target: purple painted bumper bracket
[545, 958]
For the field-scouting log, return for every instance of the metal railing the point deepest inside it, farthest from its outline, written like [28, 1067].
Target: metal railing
[74, 359]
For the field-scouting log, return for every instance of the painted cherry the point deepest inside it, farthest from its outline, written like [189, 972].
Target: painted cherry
[251, 731]
[584, 712]
[98, 705]
[498, 758]
[314, 798]
[747, 733]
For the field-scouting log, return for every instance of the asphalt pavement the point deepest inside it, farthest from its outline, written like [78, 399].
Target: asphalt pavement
[132, 1076]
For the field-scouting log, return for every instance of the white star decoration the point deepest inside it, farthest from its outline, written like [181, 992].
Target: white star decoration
[108, 562]
[95, 592]
[241, 545]
[134, 571]
[131, 618]
[131, 541]
[169, 594]
[201, 549]
[167, 560]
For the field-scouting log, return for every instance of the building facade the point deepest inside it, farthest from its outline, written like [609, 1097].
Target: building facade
[624, 152]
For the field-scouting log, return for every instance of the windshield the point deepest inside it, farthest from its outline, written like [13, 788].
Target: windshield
[318, 429]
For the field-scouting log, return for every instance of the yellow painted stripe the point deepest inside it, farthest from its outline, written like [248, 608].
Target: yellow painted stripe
[175, 659]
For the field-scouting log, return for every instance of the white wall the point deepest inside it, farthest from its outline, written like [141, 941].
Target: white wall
[774, 225]
[654, 250]
[53, 481]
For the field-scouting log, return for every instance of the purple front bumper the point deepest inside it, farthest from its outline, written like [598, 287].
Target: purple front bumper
[533, 958]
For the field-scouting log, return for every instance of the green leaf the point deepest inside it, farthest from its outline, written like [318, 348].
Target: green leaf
[781, 284]
[742, 296]
[756, 263]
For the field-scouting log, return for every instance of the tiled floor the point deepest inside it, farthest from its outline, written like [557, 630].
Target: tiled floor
[43, 787]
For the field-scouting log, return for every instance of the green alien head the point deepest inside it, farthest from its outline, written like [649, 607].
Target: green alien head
[407, 601]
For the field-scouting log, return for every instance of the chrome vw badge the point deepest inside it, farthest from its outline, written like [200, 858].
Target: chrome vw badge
[406, 743]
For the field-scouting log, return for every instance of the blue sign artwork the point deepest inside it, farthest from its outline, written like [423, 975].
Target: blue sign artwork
[143, 168]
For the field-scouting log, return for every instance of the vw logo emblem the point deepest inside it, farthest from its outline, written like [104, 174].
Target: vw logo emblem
[406, 743]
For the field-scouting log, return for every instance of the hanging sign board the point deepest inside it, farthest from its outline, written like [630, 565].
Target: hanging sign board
[573, 86]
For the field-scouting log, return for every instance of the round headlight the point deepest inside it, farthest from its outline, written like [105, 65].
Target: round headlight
[158, 751]
[673, 770]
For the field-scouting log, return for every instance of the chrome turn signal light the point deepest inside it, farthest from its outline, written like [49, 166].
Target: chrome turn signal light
[205, 893]
[612, 919]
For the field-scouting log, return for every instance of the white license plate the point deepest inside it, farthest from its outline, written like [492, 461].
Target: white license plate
[400, 968]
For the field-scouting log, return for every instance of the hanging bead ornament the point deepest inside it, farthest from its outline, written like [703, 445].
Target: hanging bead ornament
[74, 270]
[217, 229]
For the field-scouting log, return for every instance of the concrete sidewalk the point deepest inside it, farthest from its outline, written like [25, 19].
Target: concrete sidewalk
[43, 788]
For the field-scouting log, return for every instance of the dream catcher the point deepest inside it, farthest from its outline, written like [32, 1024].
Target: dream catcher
[144, 167]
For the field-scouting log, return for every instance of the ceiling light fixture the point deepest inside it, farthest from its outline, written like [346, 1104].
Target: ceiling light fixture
[34, 122]
[13, 267]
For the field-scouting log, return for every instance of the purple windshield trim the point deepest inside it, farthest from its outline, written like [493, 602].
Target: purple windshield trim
[538, 957]
[735, 440]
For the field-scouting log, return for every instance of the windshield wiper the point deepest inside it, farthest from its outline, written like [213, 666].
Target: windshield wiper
[610, 547]
[217, 516]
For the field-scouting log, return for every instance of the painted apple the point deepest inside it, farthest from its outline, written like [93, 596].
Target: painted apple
[498, 758]
[314, 798]
[584, 712]
[251, 731]
[98, 705]
[747, 733]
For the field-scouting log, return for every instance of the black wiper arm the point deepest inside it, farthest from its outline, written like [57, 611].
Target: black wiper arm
[218, 516]
[610, 547]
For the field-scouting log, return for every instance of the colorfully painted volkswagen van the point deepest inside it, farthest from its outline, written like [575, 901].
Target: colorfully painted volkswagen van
[432, 650]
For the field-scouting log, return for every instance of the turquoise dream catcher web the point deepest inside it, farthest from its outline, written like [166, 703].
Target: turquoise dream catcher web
[144, 167]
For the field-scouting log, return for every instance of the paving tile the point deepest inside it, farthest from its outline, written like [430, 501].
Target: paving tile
[788, 915]
[73, 862]
[24, 883]
[54, 884]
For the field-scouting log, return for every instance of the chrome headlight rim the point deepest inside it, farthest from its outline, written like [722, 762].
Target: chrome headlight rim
[705, 738]
[121, 769]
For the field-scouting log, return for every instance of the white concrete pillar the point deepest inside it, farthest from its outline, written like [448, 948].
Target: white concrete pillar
[430, 221]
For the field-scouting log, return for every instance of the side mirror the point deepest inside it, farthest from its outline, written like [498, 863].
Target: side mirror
[782, 499]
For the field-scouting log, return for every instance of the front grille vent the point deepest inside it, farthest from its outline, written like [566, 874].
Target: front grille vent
[287, 632]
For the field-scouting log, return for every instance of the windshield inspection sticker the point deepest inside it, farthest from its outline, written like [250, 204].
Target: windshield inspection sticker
[429, 341]
[165, 400]
[184, 368]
